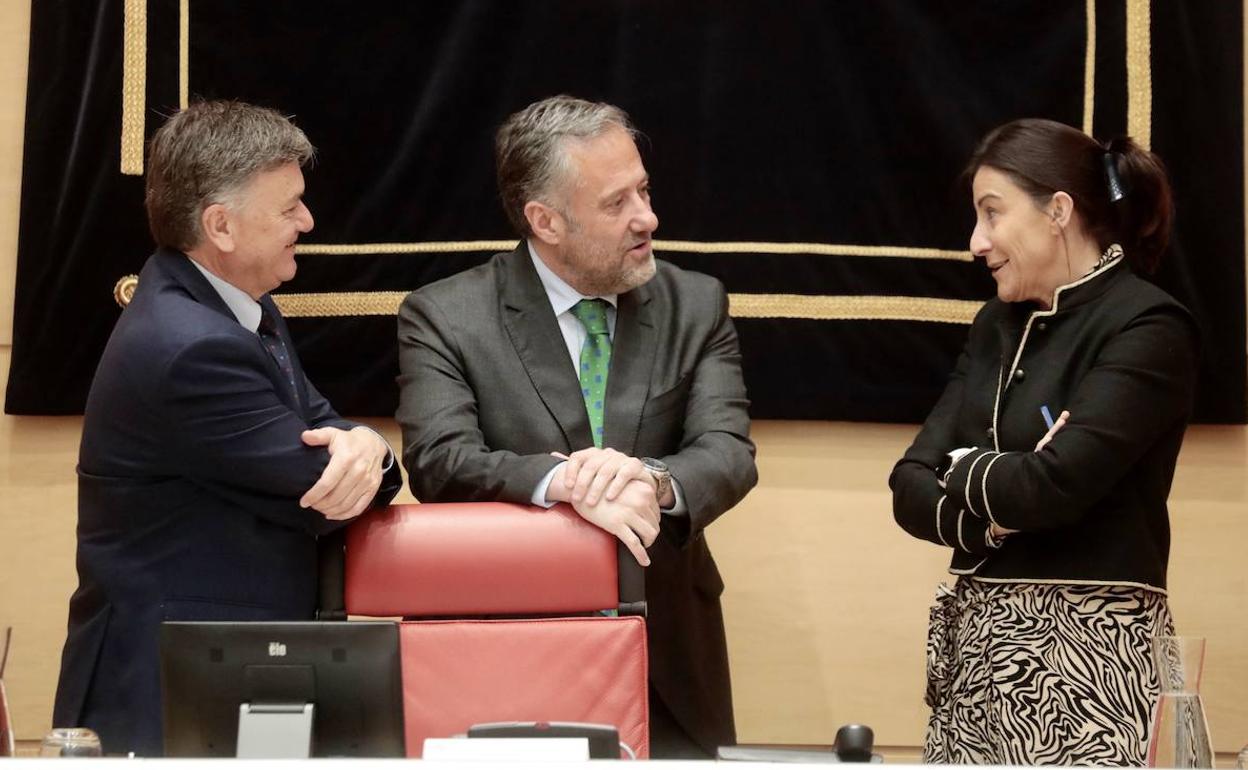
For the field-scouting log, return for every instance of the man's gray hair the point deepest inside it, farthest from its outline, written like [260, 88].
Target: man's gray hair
[530, 149]
[207, 154]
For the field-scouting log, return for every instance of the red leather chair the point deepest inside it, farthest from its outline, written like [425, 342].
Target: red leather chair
[501, 604]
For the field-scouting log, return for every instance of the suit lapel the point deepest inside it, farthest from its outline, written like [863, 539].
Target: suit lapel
[180, 270]
[633, 351]
[178, 267]
[534, 333]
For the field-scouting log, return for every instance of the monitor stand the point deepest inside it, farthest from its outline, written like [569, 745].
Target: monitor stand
[275, 730]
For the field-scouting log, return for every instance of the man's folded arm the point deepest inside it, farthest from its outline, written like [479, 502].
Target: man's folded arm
[237, 437]
[323, 416]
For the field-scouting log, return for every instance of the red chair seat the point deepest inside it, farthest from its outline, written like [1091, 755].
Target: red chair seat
[460, 673]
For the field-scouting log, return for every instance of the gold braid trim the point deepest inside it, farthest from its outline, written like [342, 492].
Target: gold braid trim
[428, 247]
[820, 308]
[1089, 68]
[339, 304]
[1139, 73]
[184, 53]
[691, 247]
[133, 86]
[123, 290]
[822, 249]
[853, 308]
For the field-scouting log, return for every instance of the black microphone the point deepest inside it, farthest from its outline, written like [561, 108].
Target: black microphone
[854, 743]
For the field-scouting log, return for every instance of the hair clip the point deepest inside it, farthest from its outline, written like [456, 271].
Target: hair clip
[1117, 190]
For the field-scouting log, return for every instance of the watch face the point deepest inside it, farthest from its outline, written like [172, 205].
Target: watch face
[652, 464]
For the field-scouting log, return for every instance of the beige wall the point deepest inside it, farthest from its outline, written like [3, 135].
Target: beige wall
[826, 601]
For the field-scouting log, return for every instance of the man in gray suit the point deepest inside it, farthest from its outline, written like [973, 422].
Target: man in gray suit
[578, 369]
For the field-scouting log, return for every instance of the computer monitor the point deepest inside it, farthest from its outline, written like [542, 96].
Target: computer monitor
[215, 674]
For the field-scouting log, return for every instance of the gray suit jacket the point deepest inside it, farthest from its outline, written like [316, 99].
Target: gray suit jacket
[487, 392]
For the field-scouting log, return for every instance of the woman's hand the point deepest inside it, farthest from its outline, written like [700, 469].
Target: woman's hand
[1057, 425]
[1000, 532]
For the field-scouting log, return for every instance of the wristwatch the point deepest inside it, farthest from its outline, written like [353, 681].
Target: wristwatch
[662, 476]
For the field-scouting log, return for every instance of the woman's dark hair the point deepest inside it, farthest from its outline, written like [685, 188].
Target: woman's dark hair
[1044, 156]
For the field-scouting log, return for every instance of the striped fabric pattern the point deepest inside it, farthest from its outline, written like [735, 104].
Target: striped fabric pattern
[1042, 674]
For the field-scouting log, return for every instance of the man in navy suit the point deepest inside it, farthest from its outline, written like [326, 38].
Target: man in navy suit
[209, 464]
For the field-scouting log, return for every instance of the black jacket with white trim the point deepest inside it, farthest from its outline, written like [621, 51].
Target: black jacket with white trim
[1120, 355]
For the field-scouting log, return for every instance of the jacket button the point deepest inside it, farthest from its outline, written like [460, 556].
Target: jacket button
[1019, 375]
[991, 433]
[1042, 326]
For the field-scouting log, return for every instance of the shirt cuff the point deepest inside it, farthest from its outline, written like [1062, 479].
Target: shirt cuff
[953, 458]
[389, 450]
[678, 505]
[539, 492]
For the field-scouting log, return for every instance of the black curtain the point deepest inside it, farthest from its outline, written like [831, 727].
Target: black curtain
[777, 122]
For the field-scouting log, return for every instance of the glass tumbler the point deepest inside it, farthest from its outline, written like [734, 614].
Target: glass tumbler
[1180, 734]
[70, 742]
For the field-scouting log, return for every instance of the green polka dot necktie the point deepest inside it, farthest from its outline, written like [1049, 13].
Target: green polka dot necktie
[595, 361]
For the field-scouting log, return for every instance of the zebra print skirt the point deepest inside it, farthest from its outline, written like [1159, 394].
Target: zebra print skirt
[1039, 674]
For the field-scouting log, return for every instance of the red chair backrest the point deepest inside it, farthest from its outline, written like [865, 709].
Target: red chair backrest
[478, 559]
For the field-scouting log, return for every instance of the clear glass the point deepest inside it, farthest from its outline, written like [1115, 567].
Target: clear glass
[70, 742]
[7, 748]
[1180, 734]
[1242, 761]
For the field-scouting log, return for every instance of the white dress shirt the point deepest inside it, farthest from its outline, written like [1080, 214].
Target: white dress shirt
[562, 299]
[240, 303]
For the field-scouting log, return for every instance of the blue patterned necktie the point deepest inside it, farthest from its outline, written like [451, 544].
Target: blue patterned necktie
[277, 348]
[595, 361]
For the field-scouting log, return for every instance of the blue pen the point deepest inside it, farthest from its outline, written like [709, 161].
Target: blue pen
[1048, 416]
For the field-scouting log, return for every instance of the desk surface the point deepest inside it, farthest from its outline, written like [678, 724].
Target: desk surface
[34, 763]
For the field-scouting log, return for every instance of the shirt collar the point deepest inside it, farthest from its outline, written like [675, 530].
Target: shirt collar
[562, 296]
[1090, 285]
[240, 303]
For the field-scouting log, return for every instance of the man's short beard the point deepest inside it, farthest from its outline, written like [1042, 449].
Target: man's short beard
[637, 275]
[596, 283]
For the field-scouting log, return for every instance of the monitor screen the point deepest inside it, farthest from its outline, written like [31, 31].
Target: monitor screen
[349, 671]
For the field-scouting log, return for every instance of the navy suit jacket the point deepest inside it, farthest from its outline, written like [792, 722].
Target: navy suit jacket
[189, 475]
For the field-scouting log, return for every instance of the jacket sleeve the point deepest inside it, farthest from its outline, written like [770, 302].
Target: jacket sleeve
[715, 461]
[236, 436]
[1139, 389]
[920, 505]
[444, 449]
[320, 413]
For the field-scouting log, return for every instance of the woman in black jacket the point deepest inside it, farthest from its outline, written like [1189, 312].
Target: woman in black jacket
[1046, 464]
